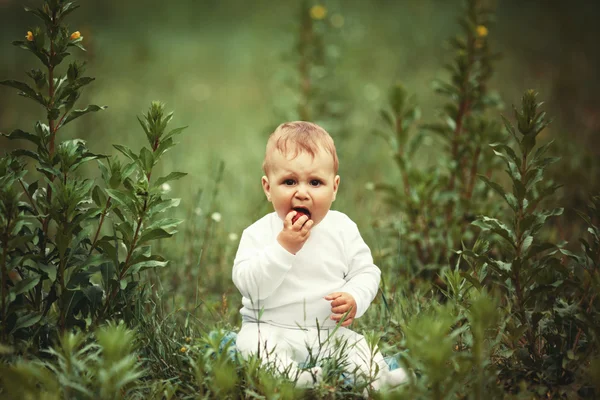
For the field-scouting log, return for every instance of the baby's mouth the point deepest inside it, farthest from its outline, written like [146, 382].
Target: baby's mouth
[302, 210]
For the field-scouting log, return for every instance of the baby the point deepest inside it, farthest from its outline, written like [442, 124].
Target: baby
[304, 271]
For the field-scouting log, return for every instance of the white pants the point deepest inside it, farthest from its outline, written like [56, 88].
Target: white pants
[286, 348]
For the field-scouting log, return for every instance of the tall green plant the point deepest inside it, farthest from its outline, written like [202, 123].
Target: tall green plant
[436, 204]
[62, 264]
[314, 82]
[547, 301]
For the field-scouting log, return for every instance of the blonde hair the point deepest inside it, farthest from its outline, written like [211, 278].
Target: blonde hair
[297, 137]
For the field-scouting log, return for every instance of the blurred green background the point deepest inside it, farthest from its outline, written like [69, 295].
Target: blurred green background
[223, 67]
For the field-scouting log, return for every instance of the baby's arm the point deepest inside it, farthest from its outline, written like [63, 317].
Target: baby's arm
[258, 269]
[362, 280]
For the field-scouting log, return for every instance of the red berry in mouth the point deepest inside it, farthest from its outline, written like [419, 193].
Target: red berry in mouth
[299, 213]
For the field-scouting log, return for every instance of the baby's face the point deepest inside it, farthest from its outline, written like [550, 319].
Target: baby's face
[301, 182]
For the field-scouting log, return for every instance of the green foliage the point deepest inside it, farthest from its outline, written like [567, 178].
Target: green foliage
[515, 317]
[546, 299]
[315, 82]
[438, 203]
[81, 367]
[61, 267]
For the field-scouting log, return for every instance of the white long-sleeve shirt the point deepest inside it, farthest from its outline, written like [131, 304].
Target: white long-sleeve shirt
[287, 290]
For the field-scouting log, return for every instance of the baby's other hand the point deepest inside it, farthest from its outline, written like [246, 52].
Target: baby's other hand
[342, 303]
[294, 234]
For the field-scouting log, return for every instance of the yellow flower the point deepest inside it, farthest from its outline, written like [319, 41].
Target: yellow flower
[75, 35]
[318, 12]
[188, 339]
[29, 36]
[482, 31]
[183, 349]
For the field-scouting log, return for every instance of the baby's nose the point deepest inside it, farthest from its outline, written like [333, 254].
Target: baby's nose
[301, 191]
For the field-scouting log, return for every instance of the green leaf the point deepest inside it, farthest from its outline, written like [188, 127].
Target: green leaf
[163, 205]
[145, 263]
[163, 147]
[147, 160]
[49, 270]
[171, 177]
[157, 233]
[504, 266]
[509, 157]
[40, 14]
[165, 223]
[532, 177]
[67, 9]
[510, 128]
[19, 134]
[173, 132]
[25, 285]
[547, 191]
[472, 280]
[526, 244]
[542, 150]
[126, 152]
[496, 226]
[388, 118]
[500, 190]
[78, 113]
[27, 320]
[99, 197]
[519, 190]
[25, 90]
[125, 199]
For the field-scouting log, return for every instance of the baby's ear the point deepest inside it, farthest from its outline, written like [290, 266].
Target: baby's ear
[336, 185]
[266, 187]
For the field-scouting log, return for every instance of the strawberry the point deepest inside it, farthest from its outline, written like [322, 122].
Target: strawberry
[299, 213]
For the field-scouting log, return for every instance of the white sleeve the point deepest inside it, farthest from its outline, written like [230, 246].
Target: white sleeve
[258, 269]
[363, 278]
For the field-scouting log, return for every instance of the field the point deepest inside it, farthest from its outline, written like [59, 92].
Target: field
[466, 133]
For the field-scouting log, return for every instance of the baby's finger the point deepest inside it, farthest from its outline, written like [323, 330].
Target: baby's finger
[332, 296]
[340, 309]
[306, 227]
[338, 317]
[288, 218]
[338, 302]
[300, 222]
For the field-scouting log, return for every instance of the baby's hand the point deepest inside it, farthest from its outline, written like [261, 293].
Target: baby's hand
[342, 302]
[294, 234]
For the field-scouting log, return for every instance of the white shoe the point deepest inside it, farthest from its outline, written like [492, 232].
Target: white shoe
[308, 378]
[395, 377]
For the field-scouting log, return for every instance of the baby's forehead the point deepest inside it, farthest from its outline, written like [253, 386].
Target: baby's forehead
[294, 152]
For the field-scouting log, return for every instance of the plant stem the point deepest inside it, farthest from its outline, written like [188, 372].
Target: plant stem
[579, 331]
[4, 281]
[99, 226]
[471, 185]
[463, 107]
[52, 128]
[517, 271]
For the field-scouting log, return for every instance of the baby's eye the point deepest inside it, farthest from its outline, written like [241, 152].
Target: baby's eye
[315, 182]
[289, 182]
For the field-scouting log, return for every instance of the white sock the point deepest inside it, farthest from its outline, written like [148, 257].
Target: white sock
[390, 379]
[395, 377]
